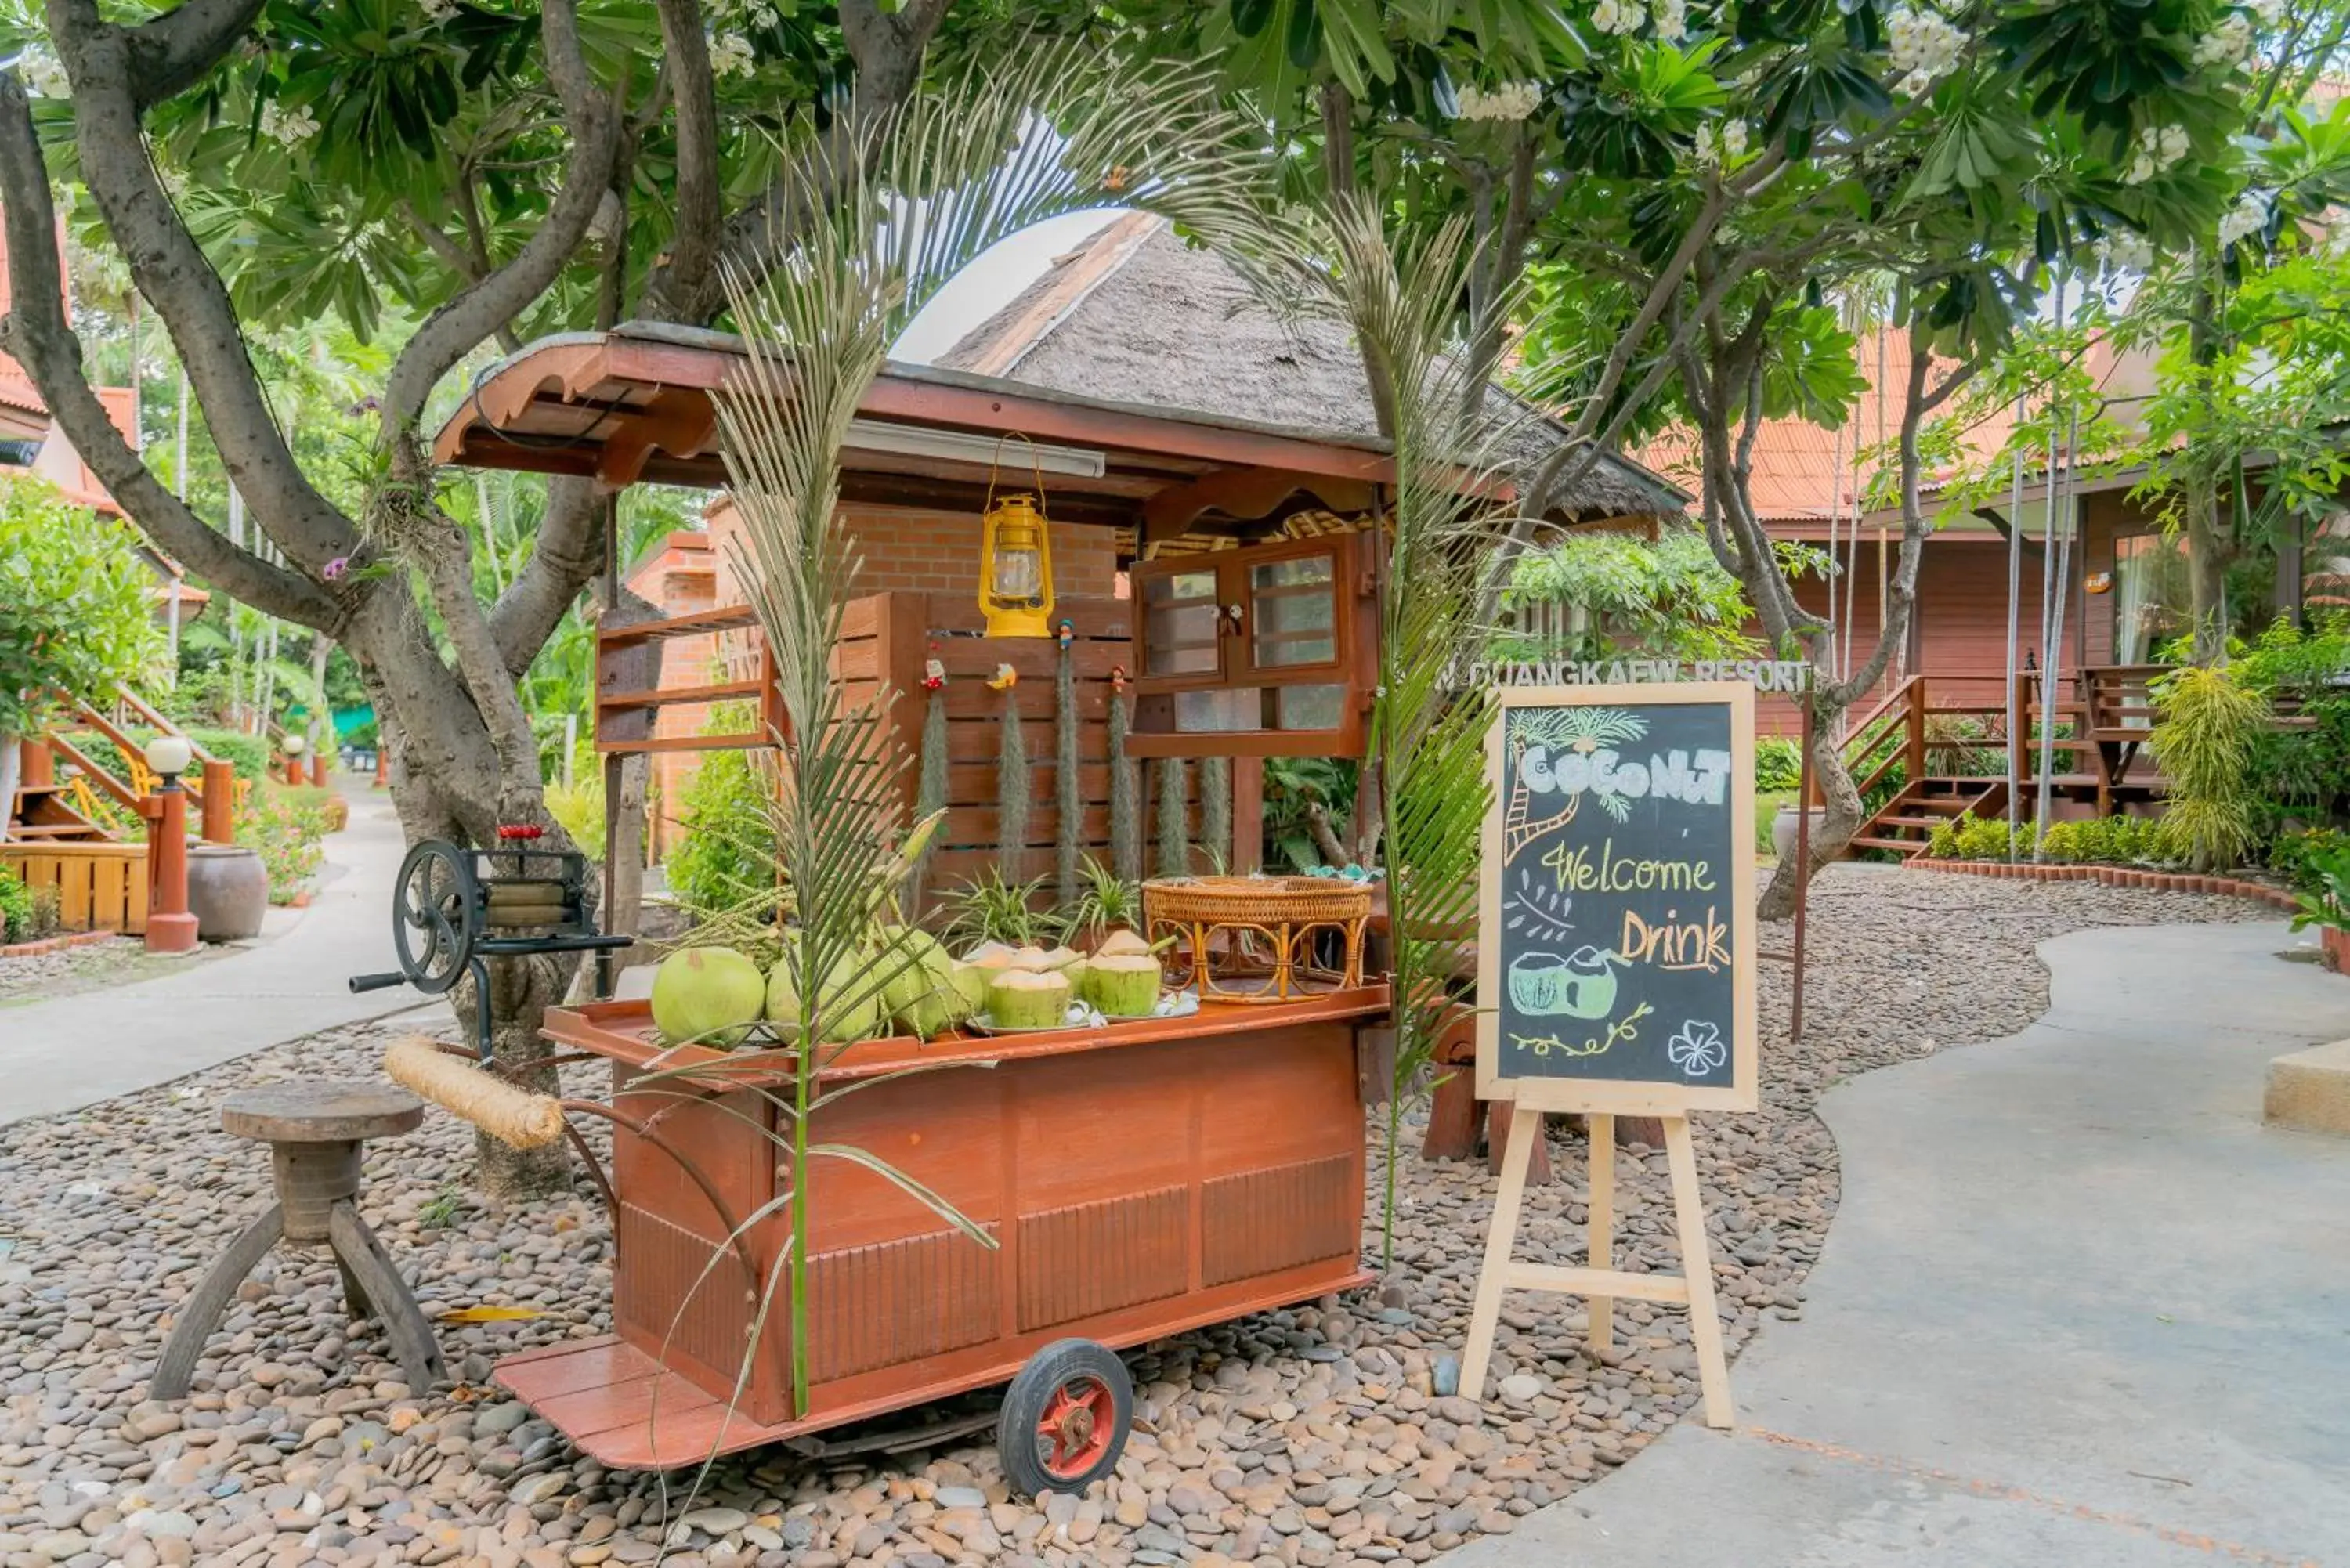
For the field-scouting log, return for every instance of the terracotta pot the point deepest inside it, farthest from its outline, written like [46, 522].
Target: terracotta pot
[228, 891]
[2337, 947]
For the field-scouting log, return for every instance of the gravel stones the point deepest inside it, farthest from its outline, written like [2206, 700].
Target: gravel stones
[1325, 1435]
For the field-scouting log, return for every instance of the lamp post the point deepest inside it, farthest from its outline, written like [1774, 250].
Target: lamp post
[294, 744]
[171, 929]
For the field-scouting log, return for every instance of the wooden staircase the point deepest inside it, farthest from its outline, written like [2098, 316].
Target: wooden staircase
[1905, 825]
[1941, 776]
[66, 772]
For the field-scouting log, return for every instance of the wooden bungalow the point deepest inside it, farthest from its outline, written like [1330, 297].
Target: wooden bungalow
[1172, 417]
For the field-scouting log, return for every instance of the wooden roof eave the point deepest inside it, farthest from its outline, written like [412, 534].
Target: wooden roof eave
[648, 396]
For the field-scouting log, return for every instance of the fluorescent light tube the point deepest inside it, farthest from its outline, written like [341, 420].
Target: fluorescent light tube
[961, 446]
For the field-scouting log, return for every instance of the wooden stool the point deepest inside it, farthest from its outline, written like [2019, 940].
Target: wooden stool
[314, 1132]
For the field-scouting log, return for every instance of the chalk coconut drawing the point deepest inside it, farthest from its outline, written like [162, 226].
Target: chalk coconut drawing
[1697, 1049]
[1579, 730]
[1580, 985]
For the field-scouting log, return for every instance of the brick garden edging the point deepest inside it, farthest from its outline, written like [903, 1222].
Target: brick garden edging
[2115, 876]
[56, 944]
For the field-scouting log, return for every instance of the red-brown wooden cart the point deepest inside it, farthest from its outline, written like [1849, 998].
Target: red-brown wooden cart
[1139, 1179]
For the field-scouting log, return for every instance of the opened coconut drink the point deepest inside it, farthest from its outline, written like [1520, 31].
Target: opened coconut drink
[1028, 998]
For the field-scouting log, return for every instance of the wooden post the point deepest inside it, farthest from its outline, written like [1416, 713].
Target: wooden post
[220, 803]
[383, 758]
[40, 768]
[1599, 1247]
[171, 929]
[319, 769]
[1248, 816]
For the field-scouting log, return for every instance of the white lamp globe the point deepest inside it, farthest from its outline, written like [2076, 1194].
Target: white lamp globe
[169, 755]
[294, 744]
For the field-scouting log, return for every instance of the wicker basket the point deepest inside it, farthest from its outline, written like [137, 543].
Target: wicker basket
[1255, 939]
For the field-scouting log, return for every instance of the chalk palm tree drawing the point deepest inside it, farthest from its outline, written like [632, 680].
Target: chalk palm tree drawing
[1584, 729]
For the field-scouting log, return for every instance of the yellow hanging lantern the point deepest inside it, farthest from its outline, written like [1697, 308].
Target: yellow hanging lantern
[1016, 565]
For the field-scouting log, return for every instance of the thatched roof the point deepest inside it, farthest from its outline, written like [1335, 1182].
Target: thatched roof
[1135, 315]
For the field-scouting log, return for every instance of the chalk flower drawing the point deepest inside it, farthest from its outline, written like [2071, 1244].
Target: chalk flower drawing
[1698, 1050]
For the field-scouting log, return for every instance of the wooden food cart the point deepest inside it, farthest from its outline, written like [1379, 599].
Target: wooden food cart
[1138, 1180]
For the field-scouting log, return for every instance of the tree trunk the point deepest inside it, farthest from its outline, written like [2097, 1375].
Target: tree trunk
[2208, 557]
[1840, 815]
[521, 990]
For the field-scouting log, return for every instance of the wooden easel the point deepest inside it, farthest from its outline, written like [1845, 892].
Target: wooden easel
[1692, 1287]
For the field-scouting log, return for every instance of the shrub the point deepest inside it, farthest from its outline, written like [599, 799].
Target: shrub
[579, 806]
[1967, 838]
[2205, 740]
[247, 755]
[1778, 762]
[2104, 841]
[2328, 902]
[286, 830]
[16, 908]
[2296, 855]
[729, 854]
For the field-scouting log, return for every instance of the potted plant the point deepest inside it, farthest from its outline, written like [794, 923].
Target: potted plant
[2329, 908]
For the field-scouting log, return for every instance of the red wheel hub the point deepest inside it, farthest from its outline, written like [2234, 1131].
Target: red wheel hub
[1079, 1421]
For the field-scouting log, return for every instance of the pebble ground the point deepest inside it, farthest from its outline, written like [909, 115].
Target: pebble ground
[1316, 1436]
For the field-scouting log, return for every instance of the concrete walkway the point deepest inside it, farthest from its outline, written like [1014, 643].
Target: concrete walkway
[2079, 1307]
[77, 1050]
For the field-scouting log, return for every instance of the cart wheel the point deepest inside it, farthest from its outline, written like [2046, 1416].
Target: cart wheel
[1065, 1419]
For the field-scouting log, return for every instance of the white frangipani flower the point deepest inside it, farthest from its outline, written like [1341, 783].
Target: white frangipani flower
[2227, 44]
[438, 10]
[1672, 17]
[287, 126]
[2124, 250]
[730, 56]
[1924, 44]
[1726, 145]
[1618, 17]
[2248, 217]
[45, 74]
[2158, 147]
[1509, 101]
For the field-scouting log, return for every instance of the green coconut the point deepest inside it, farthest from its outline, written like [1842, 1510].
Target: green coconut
[1124, 985]
[933, 1001]
[971, 981]
[1025, 999]
[710, 996]
[1121, 942]
[849, 1008]
[902, 954]
[1075, 974]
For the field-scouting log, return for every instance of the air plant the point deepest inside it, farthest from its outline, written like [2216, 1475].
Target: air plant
[1216, 809]
[1068, 799]
[1174, 818]
[1125, 805]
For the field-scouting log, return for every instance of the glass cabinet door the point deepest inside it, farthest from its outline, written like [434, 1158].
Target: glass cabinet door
[1294, 612]
[1182, 620]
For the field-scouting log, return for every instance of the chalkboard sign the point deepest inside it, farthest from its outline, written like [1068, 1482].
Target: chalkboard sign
[1617, 943]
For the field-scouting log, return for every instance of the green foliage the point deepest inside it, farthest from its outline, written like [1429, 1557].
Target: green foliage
[1172, 818]
[987, 909]
[74, 613]
[2296, 855]
[1104, 903]
[247, 755]
[2204, 740]
[1011, 787]
[579, 808]
[1667, 600]
[2106, 841]
[1778, 762]
[16, 908]
[288, 828]
[1294, 789]
[728, 854]
[2328, 902]
[1967, 838]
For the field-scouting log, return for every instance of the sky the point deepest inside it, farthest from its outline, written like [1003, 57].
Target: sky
[992, 282]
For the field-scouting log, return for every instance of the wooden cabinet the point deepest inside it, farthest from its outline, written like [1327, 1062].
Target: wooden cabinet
[1269, 650]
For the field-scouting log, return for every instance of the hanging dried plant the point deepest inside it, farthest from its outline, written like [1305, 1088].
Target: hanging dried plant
[1067, 798]
[1125, 803]
[930, 790]
[1216, 811]
[1011, 790]
[1174, 828]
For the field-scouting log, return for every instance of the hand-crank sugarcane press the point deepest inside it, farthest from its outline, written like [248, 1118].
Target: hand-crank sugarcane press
[454, 907]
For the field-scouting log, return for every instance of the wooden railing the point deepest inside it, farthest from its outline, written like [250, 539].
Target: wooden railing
[1908, 728]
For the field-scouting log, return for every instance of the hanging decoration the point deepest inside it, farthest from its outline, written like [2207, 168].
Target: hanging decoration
[1216, 812]
[1174, 831]
[1015, 561]
[930, 790]
[1010, 780]
[1125, 809]
[1067, 798]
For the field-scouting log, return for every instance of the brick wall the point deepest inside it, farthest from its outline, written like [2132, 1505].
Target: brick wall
[906, 549]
